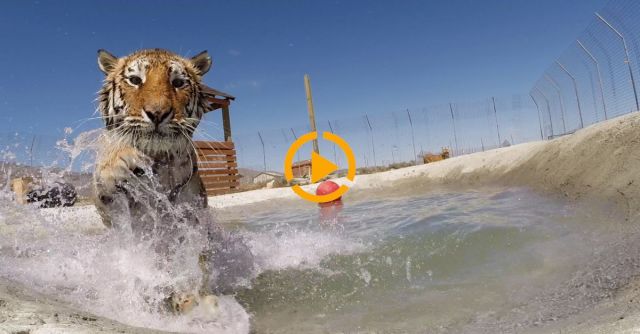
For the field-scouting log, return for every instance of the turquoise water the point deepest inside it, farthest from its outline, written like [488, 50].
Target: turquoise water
[420, 260]
[435, 261]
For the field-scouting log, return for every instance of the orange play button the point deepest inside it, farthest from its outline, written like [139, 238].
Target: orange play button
[321, 167]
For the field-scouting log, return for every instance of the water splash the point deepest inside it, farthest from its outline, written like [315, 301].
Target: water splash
[109, 272]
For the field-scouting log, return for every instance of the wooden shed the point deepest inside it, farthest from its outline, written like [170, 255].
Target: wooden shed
[217, 162]
[302, 169]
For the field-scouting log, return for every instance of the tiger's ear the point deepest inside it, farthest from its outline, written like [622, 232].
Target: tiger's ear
[106, 61]
[202, 61]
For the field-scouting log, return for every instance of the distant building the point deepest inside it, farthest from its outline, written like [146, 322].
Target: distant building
[302, 169]
[265, 177]
[247, 175]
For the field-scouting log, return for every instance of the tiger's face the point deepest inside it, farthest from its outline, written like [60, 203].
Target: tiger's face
[152, 98]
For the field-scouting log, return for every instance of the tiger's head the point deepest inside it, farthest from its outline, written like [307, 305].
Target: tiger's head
[152, 98]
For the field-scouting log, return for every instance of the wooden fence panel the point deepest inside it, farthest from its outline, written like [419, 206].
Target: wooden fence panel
[217, 166]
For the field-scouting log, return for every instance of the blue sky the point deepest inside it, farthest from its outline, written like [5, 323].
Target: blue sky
[362, 56]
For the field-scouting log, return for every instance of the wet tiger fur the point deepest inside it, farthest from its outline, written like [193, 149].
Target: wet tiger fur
[151, 102]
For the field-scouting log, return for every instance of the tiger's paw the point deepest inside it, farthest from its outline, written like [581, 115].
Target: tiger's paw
[118, 168]
[183, 303]
[209, 304]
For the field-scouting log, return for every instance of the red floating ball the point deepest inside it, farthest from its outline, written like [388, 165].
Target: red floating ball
[326, 188]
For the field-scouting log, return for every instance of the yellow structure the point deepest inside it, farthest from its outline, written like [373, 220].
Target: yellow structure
[21, 186]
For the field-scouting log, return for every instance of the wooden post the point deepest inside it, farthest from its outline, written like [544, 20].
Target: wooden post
[226, 126]
[226, 123]
[312, 115]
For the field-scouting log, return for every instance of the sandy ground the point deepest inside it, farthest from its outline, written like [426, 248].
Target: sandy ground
[24, 312]
[598, 164]
[619, 315]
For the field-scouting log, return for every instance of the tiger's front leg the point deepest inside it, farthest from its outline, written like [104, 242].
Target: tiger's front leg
[115, 170]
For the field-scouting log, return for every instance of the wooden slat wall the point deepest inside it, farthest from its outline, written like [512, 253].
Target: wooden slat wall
[217, 166]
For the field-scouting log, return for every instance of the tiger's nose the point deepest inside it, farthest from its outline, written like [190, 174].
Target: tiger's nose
[158, 117]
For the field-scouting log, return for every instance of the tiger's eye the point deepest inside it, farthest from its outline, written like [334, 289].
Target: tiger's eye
[135, 80]
[177, 83]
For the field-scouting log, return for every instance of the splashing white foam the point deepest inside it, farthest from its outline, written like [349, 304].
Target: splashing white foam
[71, 257]
[298, 249]
[108, 274]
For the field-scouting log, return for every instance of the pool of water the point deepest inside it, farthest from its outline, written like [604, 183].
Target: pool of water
[436, 260]
[471, 260]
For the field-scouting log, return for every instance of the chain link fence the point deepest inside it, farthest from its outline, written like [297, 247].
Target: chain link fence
[403, 136]
[377, 139]
[595, 78]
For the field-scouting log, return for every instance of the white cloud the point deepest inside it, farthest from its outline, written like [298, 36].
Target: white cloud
[243, 84]
[230, 85]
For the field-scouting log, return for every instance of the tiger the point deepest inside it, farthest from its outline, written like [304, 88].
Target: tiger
[430, 157]
[151, 102]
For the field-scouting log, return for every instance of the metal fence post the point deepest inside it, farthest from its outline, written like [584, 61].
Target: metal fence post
[33, 140]
[539, 118]
[557, 87]
[373, 145]
[453, 121]
[413, 139]
[294, 139]
[626, 56]
[393, 157]
[575, 88]
[495, 113]
[595, 61]
[548, 109]
[264, 154]
[426, 126]
[335, 156]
